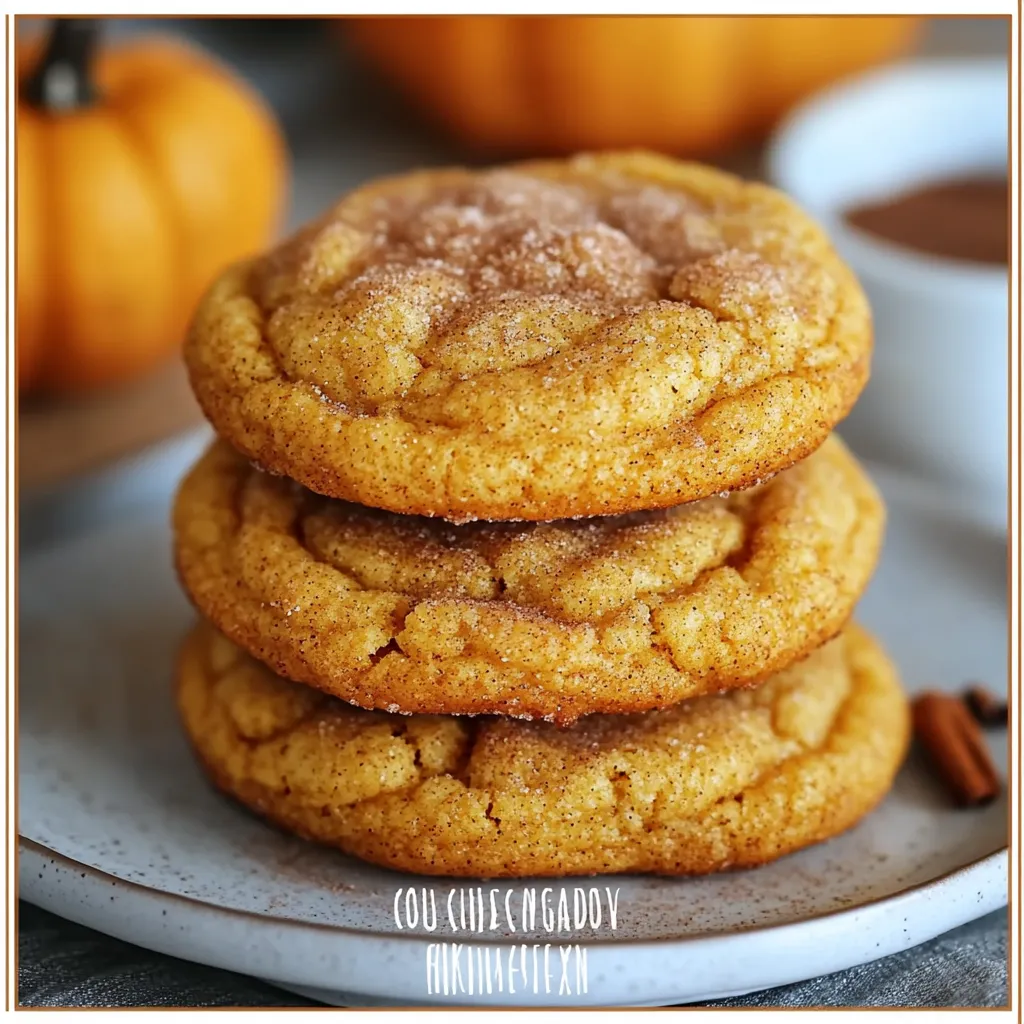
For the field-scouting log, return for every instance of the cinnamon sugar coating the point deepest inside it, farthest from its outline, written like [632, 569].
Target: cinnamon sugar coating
[546, 340]
[553, 620]
[724, 781]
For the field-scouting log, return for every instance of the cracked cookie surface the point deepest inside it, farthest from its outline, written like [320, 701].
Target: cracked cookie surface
[615, 614]
[539, 341]
[733, 780]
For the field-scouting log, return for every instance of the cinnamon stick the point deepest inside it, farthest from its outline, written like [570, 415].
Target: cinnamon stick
[988, 709]
[956, 748]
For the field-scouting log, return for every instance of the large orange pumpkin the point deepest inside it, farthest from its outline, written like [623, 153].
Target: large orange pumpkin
[683, 84]
[142, 170]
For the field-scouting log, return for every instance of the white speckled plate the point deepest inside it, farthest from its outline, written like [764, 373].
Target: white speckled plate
[120, 831]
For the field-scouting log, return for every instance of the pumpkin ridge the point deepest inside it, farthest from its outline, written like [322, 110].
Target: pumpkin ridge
[170, 214]
[688, 85]
[45, 233]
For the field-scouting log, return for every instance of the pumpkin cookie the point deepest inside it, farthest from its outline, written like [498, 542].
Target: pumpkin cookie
[724, 781]
[556, 620]
[547, 340]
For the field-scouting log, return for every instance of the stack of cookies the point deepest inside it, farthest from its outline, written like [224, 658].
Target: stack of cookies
[525, 549]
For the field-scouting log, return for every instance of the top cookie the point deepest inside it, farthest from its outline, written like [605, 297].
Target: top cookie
[546, 340]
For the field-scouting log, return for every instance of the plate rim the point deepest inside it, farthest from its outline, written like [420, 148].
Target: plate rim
[611, 957]
[35, 848]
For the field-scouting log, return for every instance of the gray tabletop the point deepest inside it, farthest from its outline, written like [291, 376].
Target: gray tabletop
[344, 127]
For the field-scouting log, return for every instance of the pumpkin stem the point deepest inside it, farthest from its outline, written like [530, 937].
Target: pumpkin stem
[62, 80]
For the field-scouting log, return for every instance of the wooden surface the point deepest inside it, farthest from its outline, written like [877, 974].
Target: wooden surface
[61, 438]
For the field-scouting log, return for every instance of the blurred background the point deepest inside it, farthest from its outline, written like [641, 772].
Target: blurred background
[306, 109]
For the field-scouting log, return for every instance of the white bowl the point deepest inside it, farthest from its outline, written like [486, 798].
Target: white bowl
[937, 402]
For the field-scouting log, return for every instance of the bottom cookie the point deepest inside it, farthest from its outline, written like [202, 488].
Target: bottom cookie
[733, 780]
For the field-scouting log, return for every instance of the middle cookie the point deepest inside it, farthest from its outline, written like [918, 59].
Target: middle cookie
[534, 620]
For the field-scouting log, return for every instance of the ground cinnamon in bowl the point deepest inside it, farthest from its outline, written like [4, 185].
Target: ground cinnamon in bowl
[964, 219]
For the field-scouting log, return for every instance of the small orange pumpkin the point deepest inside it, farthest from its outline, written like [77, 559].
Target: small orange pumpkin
[682, 84]
[141, 172]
